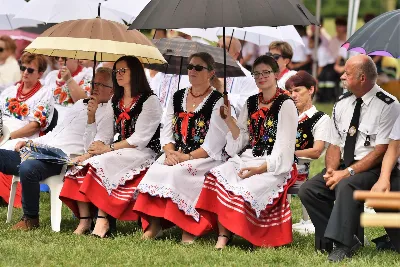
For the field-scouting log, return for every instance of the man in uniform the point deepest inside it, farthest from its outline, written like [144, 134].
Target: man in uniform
[362, 121]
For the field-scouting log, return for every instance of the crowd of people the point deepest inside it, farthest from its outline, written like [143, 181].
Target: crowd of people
[167, 157]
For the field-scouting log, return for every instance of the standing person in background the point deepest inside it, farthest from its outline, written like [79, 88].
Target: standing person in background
[9, 68]
[282, 52]
[302, 55]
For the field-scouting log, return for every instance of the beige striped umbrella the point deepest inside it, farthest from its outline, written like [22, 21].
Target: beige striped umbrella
[95, 39]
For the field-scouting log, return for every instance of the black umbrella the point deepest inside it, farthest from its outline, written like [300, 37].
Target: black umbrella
[178, 50]
[380, 36]
[174, 14]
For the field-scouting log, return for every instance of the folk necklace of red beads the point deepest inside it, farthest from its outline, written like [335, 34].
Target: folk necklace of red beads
[261, 98]
[78, 70]
[21, 97]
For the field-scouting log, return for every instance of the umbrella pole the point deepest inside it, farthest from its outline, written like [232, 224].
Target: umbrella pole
[94, 69]
[180, 72]
[155, 32]
[226, 103]
[230, 41]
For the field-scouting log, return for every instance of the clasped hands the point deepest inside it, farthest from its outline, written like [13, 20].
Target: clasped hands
[175, 157]
[332, 177]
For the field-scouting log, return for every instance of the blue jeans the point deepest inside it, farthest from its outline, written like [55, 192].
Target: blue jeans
[31, 172]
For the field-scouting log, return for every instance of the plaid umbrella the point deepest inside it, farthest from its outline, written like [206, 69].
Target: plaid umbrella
[178, 50]
[380, 36]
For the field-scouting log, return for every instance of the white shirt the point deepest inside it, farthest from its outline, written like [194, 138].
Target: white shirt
[395, 135]
[320, 131]
[9, 73]
[282, 81]
[69, 134]
[376, 120]
[324, 56]
[240, 89]
[301, 52]
[145, 127]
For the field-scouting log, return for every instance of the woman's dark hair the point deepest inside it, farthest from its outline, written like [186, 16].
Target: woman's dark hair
[302, 78]
[139, 83]
[267, 60]
[206, 57]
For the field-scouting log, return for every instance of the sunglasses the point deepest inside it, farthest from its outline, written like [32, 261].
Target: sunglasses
[1, 49]
[121, 71]
[102, 85]
[265, 73]
[58, 58]
[274, 56]
[197, 67]
[23, 68]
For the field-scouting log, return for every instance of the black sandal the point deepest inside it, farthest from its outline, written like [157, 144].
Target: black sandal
[113, 227]
[87, 231]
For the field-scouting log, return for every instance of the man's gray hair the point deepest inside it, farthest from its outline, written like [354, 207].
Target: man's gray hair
[368, 68]
[107, 72]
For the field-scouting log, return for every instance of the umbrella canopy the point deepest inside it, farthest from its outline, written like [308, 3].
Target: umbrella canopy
[7, 12]
[380, 36]
[97, 39]
[174, 14]
[128, 10]
[178, 50]
[56, 11]
[264, 35]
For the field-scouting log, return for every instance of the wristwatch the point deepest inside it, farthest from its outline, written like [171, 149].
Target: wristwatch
[112, 147]
[351, 171]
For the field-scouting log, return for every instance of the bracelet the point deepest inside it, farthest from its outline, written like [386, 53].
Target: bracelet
[112, 147]
[190, 156]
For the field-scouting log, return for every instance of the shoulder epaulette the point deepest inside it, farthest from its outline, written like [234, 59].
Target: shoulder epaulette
[384, 97]
[345, 95]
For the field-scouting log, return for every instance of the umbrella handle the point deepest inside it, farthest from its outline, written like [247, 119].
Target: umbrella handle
[221, 109]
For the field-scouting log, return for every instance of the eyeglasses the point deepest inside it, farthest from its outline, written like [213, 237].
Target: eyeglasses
[274, 56]
[23, 68]
[58, 58]
[121, 71]
[264, 73]
[197, 67]
[1, 49]
[102, 85]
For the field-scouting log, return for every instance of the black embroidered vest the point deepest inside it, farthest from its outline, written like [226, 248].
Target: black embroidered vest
[262, 131]
[198, 122]
[128, 128]
[304, 137]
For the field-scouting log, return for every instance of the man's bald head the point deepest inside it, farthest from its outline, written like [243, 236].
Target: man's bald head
[364, 65]
[234, 48]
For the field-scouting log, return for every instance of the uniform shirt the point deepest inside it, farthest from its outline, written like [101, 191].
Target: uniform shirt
[301, 52]
[395, 135]
[69, 134]
[376, 120]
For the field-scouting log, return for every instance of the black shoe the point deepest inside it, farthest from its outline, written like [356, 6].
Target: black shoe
[340, 252]
[323, 245]
[384, 243]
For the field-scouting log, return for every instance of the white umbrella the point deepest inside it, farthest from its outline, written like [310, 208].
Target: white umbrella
[264, 35]
[127, 9]
[7, 12]
[56, 11]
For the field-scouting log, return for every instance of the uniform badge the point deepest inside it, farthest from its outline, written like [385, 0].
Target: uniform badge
[352, 131]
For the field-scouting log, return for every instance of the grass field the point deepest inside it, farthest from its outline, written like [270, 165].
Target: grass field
[42, 247]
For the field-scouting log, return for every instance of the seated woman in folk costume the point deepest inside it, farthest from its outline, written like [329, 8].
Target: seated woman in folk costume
[68, 84]
[192, 138]
[111, 173]
[27, 109]
[247, 194]
[312, 131]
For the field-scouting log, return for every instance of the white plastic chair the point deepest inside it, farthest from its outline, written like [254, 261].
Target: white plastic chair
[55, 184]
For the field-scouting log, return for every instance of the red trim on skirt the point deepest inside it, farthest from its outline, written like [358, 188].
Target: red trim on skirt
[5, 187]
[87, 187]
[273, 227]
[171, 215]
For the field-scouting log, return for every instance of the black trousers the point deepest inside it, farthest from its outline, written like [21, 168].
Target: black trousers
[31, 172]
[334, 213]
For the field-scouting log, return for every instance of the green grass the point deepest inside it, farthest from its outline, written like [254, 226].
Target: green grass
[42, 247]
